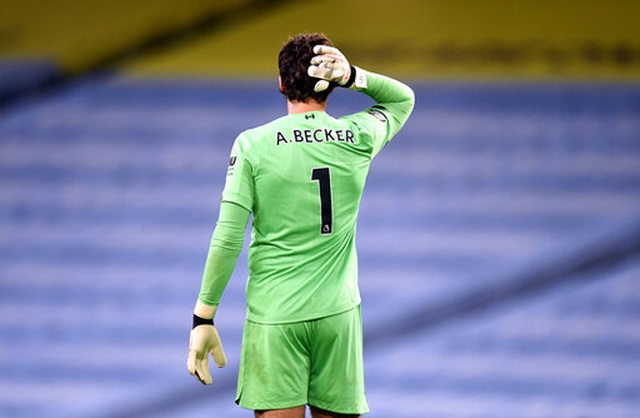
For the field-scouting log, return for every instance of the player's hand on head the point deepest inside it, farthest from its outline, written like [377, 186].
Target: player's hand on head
[204, 340]
[329, 65]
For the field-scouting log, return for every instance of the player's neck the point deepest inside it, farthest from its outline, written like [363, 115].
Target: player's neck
[302, 107]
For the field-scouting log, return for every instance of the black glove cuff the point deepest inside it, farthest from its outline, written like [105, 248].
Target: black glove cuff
[352, 78]
[200, 321]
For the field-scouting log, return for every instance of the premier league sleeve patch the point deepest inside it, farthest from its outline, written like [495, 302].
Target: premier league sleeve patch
[378, 114]
[232, 163]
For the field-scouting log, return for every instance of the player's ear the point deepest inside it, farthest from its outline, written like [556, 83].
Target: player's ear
[280, 84]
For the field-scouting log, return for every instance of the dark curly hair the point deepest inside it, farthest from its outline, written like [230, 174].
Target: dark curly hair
[293, 61]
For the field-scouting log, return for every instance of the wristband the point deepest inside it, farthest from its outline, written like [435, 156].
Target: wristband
[352, 78]
[360, 81]
[357, 79]
[200, 321]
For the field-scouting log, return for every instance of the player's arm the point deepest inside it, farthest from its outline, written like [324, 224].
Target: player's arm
[226, 245]
[393, 97]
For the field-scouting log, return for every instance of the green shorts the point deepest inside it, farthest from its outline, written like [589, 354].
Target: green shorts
[317, 363]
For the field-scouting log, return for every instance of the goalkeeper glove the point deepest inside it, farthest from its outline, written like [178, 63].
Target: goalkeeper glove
[330, 65]
[204, 339]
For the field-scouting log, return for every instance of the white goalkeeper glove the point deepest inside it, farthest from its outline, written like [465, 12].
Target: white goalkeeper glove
[330, 65]
[204, 340]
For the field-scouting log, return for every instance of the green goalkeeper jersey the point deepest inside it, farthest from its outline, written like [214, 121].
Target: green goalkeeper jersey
[302, 177]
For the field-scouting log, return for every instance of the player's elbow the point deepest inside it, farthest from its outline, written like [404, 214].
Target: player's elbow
[410, 99]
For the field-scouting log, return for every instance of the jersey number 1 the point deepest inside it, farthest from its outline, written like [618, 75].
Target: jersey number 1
[321, 175]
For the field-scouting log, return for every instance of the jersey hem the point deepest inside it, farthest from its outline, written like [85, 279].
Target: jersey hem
[250, 318]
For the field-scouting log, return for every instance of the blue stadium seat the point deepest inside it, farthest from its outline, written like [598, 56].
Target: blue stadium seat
[109, 192]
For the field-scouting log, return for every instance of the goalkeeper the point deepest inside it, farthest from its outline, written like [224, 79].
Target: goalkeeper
[302, 177]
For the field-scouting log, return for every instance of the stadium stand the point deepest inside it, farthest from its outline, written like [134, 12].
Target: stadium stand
[439, 39]
[499, 235]
[109, 193]
[42, 43]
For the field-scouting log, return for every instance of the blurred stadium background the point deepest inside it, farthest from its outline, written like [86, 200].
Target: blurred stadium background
[499, 236]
